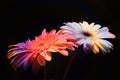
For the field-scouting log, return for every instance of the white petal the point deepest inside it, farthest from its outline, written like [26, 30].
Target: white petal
[104, 33]
[95, 27]
[104, 29]
[106, 43]
[79, 36]
[74, 26]
[81, 41]
[67, 29]
[71, 27]
[90, 27]
[89, 41]
[84, 26]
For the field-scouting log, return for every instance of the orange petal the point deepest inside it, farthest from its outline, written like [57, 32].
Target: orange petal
[48, 57]
[64, 52]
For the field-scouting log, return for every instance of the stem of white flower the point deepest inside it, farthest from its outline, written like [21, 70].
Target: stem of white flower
[68, 66]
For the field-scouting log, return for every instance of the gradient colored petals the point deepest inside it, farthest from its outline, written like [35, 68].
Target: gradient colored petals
[21, 56]
[91, 36]
[36, 52]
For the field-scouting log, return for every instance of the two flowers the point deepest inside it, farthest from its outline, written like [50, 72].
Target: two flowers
[36, 52]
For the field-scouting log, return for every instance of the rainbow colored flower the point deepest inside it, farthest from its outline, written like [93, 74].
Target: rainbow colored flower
[36, 52]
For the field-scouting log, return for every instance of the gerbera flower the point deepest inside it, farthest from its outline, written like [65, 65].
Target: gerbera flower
[36, 52]
[91, 36]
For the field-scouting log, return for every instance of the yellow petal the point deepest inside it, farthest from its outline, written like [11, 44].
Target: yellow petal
[95, 49]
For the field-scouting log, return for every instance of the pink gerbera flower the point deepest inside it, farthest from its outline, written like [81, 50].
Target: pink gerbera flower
[36, 52]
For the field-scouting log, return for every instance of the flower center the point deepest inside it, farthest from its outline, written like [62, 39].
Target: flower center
[41, 44]
[86, 34]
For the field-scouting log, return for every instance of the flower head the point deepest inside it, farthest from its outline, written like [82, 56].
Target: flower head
[91, 36]
[36, 52]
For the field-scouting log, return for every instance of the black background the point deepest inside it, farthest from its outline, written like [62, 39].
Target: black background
[23, 19]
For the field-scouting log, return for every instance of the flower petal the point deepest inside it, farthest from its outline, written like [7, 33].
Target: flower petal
[48, 57]
[64, 52]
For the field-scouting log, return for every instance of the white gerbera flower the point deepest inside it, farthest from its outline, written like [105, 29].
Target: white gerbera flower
[91, 36]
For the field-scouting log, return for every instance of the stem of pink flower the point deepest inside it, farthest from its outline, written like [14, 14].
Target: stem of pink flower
[45, 73]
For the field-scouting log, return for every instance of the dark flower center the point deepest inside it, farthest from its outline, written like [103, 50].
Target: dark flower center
[86, 34]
